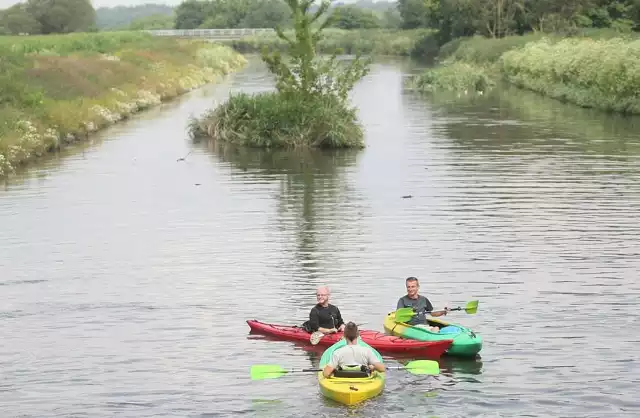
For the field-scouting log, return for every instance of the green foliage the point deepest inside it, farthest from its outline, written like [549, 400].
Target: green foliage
[309, 108]
[269, 120]
[62, 16]
[17, 20]
[457, 77]
[55, 89]
[364, 41]
[603, 74]
[480, 50]
[213, 14]
[419, 13]
[152, 22]
[306, 74]
[122, 17]
[267, 14]
[427, 47]
[351, 17]
[502, 18]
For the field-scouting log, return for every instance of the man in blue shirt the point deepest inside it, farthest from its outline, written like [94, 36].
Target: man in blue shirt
[420, 305]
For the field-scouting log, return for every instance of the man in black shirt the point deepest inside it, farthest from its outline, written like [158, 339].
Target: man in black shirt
[324, 317]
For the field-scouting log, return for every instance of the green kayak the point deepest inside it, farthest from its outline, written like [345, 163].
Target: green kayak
[466, 343]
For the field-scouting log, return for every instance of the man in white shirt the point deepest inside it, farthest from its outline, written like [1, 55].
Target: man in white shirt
[352, 354]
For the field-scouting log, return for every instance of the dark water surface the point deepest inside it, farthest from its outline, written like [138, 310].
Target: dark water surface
[126, 277]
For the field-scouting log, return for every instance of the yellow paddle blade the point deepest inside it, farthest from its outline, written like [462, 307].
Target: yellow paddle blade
[472, 307]
[404, 314]
[266, 371]
[423, 367]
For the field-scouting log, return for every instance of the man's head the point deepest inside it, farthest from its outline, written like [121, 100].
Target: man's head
[351, 332]
[412, 287]
[322, 295]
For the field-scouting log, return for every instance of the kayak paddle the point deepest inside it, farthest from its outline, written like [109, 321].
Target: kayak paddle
[405, 314]
[317, 336]
[273, 371]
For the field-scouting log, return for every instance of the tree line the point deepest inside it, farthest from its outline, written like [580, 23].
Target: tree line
[451, 18]
[214, 14]
[499, 18]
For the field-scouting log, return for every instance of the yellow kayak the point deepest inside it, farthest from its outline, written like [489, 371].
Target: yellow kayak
[350, 387]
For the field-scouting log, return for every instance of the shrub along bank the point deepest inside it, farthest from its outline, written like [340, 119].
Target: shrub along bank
[57, 89]
[601, 73]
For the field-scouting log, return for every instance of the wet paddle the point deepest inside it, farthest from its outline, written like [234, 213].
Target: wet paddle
[405, 314]
[274, 371]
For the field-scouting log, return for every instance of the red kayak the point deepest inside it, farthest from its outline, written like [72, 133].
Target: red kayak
[378, 340]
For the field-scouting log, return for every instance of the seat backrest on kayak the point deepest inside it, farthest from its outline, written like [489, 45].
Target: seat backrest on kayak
[352, 371]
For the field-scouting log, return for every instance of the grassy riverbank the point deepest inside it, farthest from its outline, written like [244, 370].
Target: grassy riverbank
[58, 89]
[364, 41]
[594, 70]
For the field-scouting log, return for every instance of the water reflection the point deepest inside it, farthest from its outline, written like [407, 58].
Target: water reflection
[311, 206]
[522, 122]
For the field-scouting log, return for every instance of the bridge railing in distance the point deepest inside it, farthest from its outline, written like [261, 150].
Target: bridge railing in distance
[212, 33]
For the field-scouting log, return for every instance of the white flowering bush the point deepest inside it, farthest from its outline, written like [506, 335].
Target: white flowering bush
[146, 98]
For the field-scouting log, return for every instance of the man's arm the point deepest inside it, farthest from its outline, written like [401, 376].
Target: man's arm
[331, 366]
[400, 305]
[374, 363]
[339, 321]
[436, 313]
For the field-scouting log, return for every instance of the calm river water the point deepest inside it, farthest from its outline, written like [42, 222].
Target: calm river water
[126, 277]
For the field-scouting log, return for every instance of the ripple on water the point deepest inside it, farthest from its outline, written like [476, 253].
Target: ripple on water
[125, 288]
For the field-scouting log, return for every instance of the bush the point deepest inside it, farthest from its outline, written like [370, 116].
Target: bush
[275, 120]
[426, 47]
[480, 50]
[456, 77]
[591, 73]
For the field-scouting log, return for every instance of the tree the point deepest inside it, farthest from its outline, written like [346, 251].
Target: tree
[190, 14]
[62, 16]
[306, 75]
[352, 17]
[267, 14]
[419, 13]
[16, 20]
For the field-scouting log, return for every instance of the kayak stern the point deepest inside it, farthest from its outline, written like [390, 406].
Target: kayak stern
[351, 391]
[466, 343]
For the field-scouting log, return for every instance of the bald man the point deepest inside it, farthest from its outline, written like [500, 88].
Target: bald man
[324, 317]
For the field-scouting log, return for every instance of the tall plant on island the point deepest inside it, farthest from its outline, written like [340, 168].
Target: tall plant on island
[310, 107]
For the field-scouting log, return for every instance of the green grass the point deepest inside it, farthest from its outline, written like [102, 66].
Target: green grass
[273, 120]
[366, 41]
[603, 73]
[459, 77]
[57, 89]
[595, 68]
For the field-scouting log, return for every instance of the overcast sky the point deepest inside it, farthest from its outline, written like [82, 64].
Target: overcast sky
[110, 3]
[106, 3]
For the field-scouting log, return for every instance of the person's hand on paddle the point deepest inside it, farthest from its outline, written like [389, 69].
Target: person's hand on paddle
[341, 328]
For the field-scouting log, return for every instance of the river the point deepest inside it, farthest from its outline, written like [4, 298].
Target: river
[126, 276]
